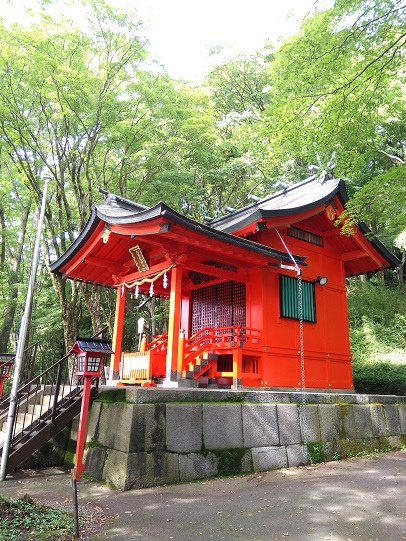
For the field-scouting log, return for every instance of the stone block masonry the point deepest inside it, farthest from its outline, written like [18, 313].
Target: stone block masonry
[150, 437]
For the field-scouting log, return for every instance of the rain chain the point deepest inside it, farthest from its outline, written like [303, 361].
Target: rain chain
[301, 337]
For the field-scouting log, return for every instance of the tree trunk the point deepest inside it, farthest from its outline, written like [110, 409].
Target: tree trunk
[92, 296]
[69, 305]
[13, 284]
[402, 269]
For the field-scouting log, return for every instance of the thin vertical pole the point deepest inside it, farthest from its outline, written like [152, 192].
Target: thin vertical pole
[237, 366]
[75, 506]
[22, 337]
[181, 352]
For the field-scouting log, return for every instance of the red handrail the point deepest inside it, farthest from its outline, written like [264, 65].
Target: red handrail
[207, 337]
[160, 343]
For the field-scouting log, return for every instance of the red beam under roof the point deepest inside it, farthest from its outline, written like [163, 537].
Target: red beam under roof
[110, 233]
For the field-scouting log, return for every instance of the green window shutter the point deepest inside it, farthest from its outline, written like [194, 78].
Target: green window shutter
[289, 297]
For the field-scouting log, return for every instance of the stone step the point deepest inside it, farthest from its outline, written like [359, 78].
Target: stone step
[194, 367]
[26, 418]
[38, 409]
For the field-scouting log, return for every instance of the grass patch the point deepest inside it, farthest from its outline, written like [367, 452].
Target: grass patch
[235, 398]
[23, 519]
[229, 461]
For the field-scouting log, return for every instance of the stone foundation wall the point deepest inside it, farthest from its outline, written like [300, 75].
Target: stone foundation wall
[151, 437]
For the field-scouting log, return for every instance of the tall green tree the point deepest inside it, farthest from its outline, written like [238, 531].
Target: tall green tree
[333, 81]
[338, 101]
[80, 105]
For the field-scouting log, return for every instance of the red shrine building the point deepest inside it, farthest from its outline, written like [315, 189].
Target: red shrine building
[257, 298]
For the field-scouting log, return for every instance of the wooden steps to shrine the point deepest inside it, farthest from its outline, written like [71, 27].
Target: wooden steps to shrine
[200, 365]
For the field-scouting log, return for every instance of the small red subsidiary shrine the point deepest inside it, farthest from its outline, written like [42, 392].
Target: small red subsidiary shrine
[256, 298]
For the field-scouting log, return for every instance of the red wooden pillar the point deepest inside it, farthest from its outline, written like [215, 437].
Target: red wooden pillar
[117, 331]
[175, 301]
[81, 439]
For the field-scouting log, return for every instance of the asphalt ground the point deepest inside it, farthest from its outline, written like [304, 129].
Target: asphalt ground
[359, 499]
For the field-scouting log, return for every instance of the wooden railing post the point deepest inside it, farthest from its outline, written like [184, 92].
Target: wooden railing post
[181, 352]
[237, 367]
[117, 338]
[143, 344]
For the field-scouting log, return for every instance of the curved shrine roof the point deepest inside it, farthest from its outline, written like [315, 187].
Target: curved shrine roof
[134, 220]
[304, 196]
[300, 197]
[296, 198]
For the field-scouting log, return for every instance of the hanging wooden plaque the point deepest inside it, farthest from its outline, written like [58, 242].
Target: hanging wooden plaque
[139, 258]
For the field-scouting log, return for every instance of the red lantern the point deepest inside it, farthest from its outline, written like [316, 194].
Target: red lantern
[6, 362]
[90, 353]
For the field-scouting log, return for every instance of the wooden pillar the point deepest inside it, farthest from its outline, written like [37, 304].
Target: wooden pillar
[175, 300]
[181, 353]
[117, 333]
[143, 343]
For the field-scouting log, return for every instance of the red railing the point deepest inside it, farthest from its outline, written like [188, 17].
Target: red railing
[220, 337]
[160, 343]
[209, 339]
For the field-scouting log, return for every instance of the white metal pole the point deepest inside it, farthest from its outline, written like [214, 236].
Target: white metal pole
[22, 337]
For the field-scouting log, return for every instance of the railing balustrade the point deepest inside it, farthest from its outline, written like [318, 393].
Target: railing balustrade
[208, 338]
[29, 357]
[40, 400]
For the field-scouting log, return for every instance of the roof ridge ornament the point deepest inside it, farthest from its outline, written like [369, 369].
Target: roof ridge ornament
[114, 200]
[285, 185]
[108, 197]
[323, 171]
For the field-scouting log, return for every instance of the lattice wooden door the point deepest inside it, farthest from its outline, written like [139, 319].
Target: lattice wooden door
[220, 305]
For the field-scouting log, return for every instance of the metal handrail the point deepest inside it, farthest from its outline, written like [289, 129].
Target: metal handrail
[40, 399]
[6, 396]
